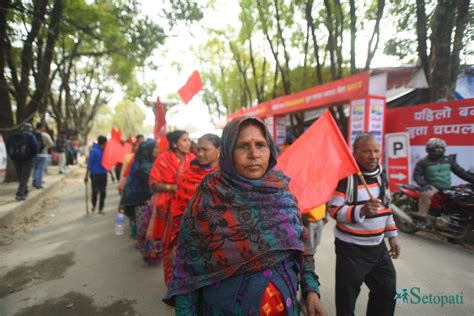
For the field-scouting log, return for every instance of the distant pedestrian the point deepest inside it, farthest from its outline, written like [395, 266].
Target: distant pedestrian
[22, 147]
[314, 220]
[61, 150]
[39, 161]
[98, 174]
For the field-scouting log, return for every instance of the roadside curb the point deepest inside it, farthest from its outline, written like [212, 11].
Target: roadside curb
[27, 207]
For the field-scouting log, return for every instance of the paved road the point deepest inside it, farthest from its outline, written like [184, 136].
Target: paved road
[66, 263]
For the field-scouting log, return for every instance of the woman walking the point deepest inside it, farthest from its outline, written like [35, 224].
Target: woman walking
[164, 176]
[240, 248]
[207, 161]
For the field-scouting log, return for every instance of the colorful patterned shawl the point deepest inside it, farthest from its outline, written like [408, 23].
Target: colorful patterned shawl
[234, 225]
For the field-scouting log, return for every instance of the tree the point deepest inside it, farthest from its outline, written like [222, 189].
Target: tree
[129, 117]
[438, 39]
[98, 48]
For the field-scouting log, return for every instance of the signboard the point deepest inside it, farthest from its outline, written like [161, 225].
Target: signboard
[397, 149]
[350, 88]
[376, 119]
[357, 119]
[280, 130]
[452, 121]
[3, 155]
[269, 122]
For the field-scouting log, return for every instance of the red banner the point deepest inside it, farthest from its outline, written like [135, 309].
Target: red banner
[338, 91]
[343, 90]
[452, 121]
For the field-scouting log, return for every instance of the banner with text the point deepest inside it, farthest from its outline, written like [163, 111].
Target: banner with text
[452, 121]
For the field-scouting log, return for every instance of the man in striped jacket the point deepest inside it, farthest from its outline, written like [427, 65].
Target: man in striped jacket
[361, 225]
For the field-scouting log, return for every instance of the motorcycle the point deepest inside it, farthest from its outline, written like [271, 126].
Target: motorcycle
[451, 212]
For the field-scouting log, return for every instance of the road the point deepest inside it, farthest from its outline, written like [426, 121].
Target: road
[62, 262]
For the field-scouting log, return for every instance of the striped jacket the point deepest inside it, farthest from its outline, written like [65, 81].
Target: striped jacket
[345, 207]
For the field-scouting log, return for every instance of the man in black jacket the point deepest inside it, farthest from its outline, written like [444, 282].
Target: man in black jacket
[433, 173]
[22, 147]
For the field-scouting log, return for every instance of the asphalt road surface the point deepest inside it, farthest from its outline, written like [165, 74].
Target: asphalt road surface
[62, 262]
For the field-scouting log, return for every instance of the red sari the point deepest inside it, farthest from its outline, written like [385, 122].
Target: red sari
[187, 185]
[167, 169]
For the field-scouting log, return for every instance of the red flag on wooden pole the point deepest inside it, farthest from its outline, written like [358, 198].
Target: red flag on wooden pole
[160, 118]
[316, 162]
[192, 86]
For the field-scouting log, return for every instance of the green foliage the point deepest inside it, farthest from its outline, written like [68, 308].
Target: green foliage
[184, 10]
[129, 117]
[404, 49]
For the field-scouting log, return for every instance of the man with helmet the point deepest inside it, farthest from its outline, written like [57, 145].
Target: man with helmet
[433, 173]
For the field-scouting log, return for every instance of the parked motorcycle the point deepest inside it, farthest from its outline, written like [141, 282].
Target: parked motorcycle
[451, 212]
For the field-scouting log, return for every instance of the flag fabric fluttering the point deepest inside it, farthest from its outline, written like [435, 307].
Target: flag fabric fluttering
[114, 150]
[316, 162]
[116, 134]
[192, 86]
[160, 118]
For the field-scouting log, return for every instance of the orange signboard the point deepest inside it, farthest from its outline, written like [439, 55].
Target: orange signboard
[350, 88]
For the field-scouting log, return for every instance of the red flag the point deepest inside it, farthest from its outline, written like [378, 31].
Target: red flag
[192, 86]
[116, 134]
[316, 162]
[160, 118]
[113, 152]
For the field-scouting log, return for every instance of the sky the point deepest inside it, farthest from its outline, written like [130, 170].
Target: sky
[176, 62]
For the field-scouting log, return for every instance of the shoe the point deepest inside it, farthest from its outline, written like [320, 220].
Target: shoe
[93, 209]
[20, 198]
[101, 212]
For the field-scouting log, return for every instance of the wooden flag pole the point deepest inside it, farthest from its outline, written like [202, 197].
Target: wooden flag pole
[361, 178]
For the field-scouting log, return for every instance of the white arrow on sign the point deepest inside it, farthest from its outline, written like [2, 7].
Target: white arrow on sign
[398, 176]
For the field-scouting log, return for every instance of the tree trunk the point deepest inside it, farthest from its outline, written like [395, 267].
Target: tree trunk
[6, 114]
[421, 34]
[331, 40]
[310, 22]
[37, 100]
[338, 37]
[286, 75]
[39, 10]
[353, 35]
[372, 48]
[461, 23]
[442, 28]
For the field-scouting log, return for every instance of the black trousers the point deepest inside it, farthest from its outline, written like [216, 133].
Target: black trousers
[99, 188]
[371, 265]
[23, 172]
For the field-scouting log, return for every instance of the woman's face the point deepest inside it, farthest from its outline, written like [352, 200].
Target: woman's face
[251, 153]
[183, 145]
[207, 154]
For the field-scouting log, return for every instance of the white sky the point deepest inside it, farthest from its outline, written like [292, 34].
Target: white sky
[176, 62]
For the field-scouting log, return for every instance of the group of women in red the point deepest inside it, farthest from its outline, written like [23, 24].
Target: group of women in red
[158, 187]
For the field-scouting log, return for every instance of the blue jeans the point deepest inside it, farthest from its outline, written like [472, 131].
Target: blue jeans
[39, 165]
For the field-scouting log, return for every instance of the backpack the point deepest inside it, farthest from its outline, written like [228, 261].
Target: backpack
[39, 140]
[19, 148]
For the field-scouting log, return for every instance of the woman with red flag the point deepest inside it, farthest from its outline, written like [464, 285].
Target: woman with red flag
[164, 176]
[241, 246]
[207, 161]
